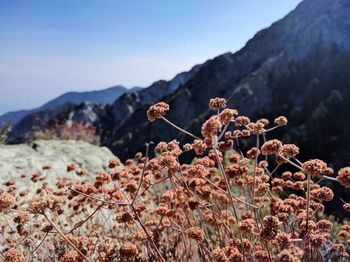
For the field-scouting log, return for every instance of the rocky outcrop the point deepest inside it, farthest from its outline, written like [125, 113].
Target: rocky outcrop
[29, 159]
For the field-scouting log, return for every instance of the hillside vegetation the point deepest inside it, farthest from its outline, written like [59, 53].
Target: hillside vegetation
[228, 204]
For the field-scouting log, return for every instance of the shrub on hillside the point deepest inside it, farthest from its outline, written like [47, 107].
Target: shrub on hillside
[227, 205]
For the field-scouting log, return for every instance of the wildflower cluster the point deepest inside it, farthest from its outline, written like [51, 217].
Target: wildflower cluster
[228, 204]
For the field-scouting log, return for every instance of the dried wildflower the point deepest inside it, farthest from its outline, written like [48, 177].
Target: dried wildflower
[219, 255]
[281, 121]
[234, 254]
[6, 201]
[187, 147]
[286, 175]
[130, 186]
[14, 255]
[322, 194]
[233, 171]
[199, 146]
[167, 159]
[37, 205]
[156, 111]
[283, 239]
[72, 256]
[72, 167]
[270, 227]
[284, 256]
[344, 177]
[226, 115]
[262, 256]
[247, 226]
[21, 218]
[80, 172]
[314, 167]
[103, 178]
[324, 225]
[217, 103]
[114, 163]
[242, 121]
[123, 217]
[128, 250]
[317, 239]
[245, 133]
[163, 211]
[253, 153]
[289, 150]
[211, 127]
[9, 182]
[196, 233]
[271, 147]
[257, 128]
[198, 170]
[299, 176]
[167, 196]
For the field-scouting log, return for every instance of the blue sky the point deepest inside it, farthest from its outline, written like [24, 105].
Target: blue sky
[48, 47]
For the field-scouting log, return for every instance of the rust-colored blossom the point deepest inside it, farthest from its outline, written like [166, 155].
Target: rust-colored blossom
[344, 177]
[157, 110]
[217, 103]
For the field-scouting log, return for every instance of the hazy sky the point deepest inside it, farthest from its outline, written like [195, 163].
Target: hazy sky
[48, 47]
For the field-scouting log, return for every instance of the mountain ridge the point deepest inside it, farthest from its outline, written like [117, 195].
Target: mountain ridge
[104, 96]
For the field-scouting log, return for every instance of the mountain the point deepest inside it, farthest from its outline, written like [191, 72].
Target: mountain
[104, 117]
[105, 96]
[298, 67]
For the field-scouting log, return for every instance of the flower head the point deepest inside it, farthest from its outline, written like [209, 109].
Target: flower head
[156, 111]
[344, 177]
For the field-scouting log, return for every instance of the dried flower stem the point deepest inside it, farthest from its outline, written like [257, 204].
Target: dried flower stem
[179, 128]
[308, 201]
[42, 241]
[86, 219]
[154, 246]
[99, 199]
[64, 237]
[142, 174]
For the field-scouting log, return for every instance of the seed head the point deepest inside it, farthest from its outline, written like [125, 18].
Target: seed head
[217, 103]
[344, 177]
[156, 111]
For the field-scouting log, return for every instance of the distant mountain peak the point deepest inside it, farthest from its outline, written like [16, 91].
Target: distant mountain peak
[104, 96]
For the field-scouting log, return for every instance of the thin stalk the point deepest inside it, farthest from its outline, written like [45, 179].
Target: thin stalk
[85, 220]
[142, 174]
[308, 201]
[42, 241]
[179, 128]
[99, 199]
[64, 237]
[159, 255]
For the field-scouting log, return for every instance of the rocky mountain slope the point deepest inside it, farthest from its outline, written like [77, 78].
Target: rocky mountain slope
[297, 67]
[105, 118]
[105, 96]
